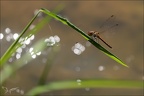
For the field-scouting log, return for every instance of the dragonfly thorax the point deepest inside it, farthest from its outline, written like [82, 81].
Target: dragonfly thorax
[93, 33]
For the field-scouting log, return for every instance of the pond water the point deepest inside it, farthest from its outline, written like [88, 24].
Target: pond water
[73, 58]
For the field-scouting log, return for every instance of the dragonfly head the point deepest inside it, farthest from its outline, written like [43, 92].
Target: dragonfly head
[90, 33]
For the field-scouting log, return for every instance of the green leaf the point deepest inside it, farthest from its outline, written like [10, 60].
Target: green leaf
[9, 69]
[13, 47]
[66, 22]
[86, 84]
[16, 43]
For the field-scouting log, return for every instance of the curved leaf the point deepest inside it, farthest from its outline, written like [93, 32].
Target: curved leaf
[85, 84]
[66, 22]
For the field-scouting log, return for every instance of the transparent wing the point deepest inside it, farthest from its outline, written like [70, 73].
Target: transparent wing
[109, 24]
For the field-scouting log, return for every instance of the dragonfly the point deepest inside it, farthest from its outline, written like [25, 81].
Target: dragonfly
[96, 35]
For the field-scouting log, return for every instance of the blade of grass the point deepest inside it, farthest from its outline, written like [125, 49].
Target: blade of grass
[13, 47]
[50, 60]
[61, 85]
[66, 22]
[8, 70]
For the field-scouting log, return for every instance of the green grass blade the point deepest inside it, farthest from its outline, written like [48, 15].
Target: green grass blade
[9, 52]
[61, 85]
[8, 70]
[49, 63]
[15, 45]
[66, 22]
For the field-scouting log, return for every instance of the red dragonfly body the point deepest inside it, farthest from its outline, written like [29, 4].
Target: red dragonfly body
[95, 35]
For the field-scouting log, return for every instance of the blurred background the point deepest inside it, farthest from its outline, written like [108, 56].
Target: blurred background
[126, 40]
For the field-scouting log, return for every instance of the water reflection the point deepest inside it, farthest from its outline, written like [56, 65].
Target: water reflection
[101, 68]
[9, 37]
[31, 49]
[39, 53]
[18, 55]
[33, 53]
[78, 81]
[25, 41]
[56, 38]
[52, 40]
[78, 48]
[1, 36]
[15, 36]
[32, 37]
[19, 50]
[7, 30]
[33, 56]
[94, 18]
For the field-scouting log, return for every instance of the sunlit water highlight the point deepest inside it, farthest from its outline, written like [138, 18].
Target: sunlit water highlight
[101, 68]
[1, 36]
[78, 48]
[78, 81]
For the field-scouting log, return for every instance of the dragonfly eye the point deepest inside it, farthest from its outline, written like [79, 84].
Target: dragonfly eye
[90, 33]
